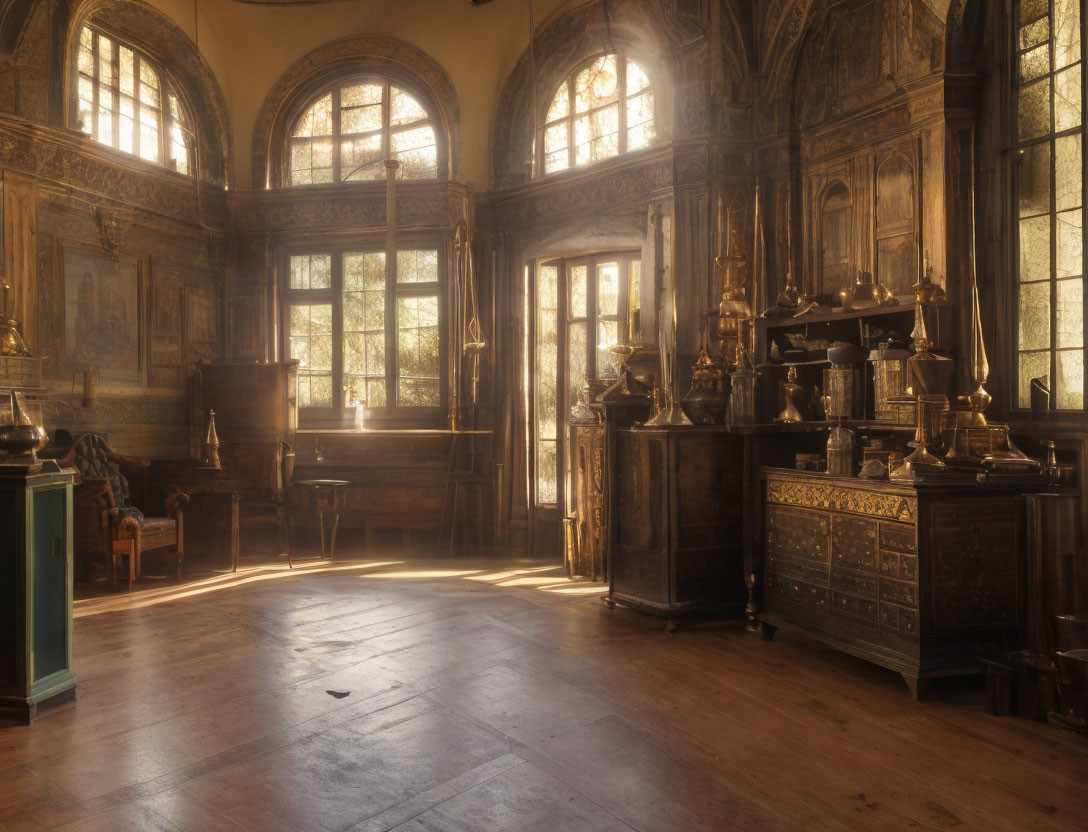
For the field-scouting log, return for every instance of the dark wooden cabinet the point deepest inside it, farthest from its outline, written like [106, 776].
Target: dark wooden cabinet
[35, 590]
[676, 512]
[922, 579]
[255, 414]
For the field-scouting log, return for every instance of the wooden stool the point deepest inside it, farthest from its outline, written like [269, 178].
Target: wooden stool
[330, 496]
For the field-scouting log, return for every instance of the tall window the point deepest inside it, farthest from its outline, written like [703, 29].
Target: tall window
[364, 335]
[1050, 140]
[584, 306]
[349, 131]
[123, 100]
[602, 110]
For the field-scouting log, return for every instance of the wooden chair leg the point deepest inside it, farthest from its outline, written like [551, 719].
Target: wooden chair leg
[133, 559]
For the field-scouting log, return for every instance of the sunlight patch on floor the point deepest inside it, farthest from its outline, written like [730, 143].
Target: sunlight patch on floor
[150, 597]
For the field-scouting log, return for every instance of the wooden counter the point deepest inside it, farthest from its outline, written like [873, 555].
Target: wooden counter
[919, 578]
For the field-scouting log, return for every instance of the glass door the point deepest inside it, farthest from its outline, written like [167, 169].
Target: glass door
[583, 306]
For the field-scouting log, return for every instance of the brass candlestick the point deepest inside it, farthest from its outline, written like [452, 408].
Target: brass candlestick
[11, 340]
[211, 444]
[929, 376]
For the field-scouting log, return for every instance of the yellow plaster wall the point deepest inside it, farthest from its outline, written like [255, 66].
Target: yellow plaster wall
[249, 46]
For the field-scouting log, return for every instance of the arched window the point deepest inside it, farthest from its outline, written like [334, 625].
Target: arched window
[349, 131]
[125, 101]
[597, 113]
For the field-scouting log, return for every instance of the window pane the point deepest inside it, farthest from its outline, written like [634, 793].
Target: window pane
[1034, 63]
[105, 60]
[310, 342]
[555, 138]
[362, 159]
[608, 335]
[1068, 178]
[1034, 33]
[1067, 104]
[547, 476]
[1035, 316]
[1032, 365]
[576, 360]
[1035, 249]
[636, 78]
[149, 134]
[317, 121]
[149, 86]
[547, 382]
[105, 121]
[1034, 184]
[560, 106]
[1070, 244]
[634, 302]
[125, 126]
[596, 136]
[128, 76]
[1035, 110]
[1070, 314]
[559, 160]
[1033, 9]
[608, 289]
[361, 108]
[364, 270]
[1066, 32]
[578, 291]
[417, 266]
[311, 271]
[417, 351]
[596, 85]
[1069, 392]
[404, 109]
[86, 51]
[416, 151]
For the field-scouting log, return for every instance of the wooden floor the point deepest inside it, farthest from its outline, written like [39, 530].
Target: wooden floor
[486, 699]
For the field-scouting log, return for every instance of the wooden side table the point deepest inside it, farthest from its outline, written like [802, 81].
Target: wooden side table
[330, 496]
[190, 477]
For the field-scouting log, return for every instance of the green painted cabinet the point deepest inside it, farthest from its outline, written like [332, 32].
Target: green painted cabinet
[35, 590]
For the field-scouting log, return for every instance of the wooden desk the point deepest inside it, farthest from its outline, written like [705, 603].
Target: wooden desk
[188, 476]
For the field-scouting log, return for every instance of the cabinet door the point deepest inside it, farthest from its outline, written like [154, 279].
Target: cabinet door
[50, 582]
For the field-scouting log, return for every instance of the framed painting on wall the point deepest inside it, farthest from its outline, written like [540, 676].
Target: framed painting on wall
[102, 319]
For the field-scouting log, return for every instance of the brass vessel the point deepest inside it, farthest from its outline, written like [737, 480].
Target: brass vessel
[22, 439]
[793, 398]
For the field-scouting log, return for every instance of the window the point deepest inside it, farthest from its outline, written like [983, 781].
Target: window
[364, 335]
[349, 131]
[584, 306]
[597, 113]
[123, 100]
[1050, 200]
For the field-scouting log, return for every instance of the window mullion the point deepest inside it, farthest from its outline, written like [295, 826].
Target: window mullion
[621, 88]
[336, 266]
[115, 91]
[337, 172]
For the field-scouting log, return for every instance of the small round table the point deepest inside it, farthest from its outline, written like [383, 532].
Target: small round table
[330, 496]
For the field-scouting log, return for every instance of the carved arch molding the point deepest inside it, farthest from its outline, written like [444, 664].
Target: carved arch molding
[357, 55]
[40, 91]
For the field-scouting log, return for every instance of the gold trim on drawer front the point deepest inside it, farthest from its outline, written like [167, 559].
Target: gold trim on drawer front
[818, 495]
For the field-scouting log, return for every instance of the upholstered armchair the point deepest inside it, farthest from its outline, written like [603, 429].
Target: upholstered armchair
[109, 499]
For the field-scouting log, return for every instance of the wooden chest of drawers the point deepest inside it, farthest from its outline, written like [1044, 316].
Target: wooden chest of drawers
[918, 578]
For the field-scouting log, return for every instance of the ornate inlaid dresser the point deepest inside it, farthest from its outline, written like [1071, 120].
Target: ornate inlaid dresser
[676, 514]
[919, 578]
